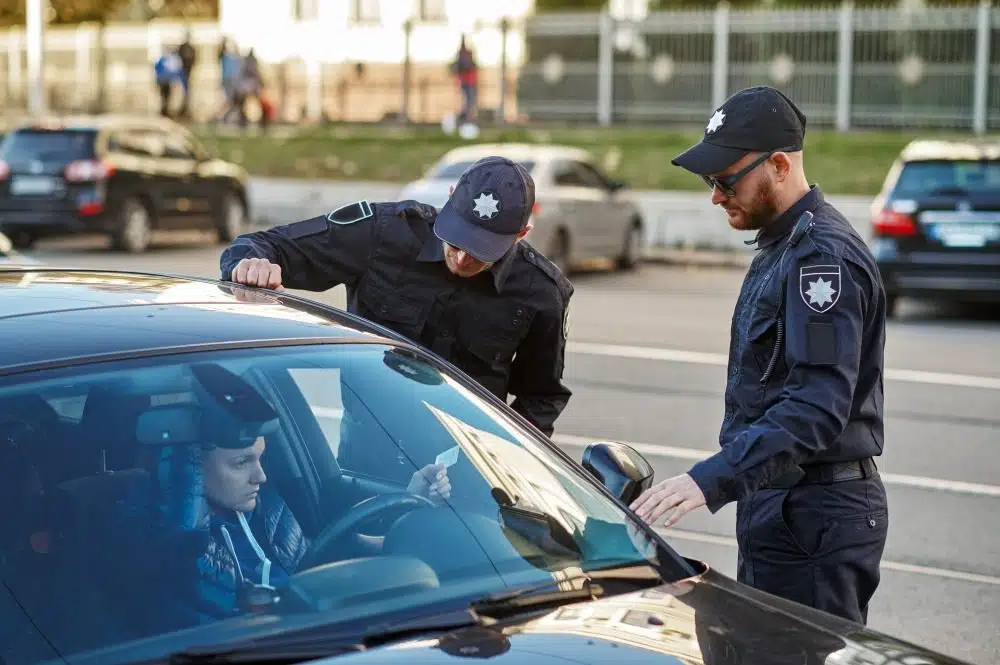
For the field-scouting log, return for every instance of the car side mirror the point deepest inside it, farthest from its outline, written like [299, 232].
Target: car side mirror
[621, 469]
[617, 185]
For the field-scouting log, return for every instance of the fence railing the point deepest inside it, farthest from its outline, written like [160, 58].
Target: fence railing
[846, 67]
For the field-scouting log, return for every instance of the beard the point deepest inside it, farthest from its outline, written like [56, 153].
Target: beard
[760, 213]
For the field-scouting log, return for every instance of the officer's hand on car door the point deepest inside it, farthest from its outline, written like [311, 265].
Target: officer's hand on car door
[258, 272]
[671, 498]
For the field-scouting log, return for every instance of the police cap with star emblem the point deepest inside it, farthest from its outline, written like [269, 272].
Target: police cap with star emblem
[492, 203]
[757, 119]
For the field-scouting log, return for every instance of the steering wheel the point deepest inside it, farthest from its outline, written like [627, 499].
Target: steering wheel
[322, 549]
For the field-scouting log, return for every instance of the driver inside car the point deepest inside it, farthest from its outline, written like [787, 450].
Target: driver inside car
[214, 509]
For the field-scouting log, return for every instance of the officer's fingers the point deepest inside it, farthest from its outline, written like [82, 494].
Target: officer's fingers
[253, 272]
[240, 271]
[680, 511]
[274, 277]
[663, 507]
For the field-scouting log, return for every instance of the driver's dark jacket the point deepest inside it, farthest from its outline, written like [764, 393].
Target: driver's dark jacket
[177, 564]
[506, 328]
[805, 377]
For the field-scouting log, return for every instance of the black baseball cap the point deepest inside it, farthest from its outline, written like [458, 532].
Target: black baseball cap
[757, 119]
[492, 203]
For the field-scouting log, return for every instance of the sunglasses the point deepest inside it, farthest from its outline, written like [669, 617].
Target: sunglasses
[727, 183]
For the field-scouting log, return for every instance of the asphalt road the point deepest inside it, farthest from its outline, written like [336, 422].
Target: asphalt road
[646, 365]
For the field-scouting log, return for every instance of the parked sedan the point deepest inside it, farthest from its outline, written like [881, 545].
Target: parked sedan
[936, 222]
[123, 176]
[205, 473]
[580, 213]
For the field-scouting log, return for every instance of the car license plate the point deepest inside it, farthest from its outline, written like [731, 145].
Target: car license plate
[32, 185]
[967, 235]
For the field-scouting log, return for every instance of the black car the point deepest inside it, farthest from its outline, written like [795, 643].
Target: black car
[162, 437]
[122, 176]
[936, 222]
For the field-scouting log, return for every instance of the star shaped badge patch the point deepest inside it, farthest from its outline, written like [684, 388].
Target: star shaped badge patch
[717, 119]
[820, 287]
[487, 205]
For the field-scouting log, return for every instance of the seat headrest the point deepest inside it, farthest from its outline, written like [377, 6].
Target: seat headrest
[170, 425]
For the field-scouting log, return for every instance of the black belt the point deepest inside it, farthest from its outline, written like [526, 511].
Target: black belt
[825, 474]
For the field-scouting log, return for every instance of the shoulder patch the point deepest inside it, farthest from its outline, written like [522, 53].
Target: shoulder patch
[820, 286]
[351, 213]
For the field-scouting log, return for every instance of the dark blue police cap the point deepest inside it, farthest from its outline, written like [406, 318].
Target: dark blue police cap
[492, 203]
[757, 119]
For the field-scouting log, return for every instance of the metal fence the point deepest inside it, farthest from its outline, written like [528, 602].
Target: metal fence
[846, 67]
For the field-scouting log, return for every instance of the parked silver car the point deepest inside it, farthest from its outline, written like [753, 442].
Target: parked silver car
[580, 213]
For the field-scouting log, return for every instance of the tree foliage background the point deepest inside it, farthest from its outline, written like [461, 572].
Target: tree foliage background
[12, 12]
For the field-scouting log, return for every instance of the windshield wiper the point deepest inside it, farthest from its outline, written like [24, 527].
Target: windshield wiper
[548, 594]
[319, 641]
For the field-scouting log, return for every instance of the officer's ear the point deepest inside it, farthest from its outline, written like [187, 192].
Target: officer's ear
[782, 165]
[451, 190]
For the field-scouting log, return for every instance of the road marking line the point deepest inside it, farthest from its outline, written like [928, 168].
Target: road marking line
[725, 541]
[720, 359]
[696, 455]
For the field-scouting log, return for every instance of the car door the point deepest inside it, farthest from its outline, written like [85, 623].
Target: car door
[186, 194]
[580, 207]
[612, 218]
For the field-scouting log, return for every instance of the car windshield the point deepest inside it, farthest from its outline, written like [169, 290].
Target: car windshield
[161, 497]
[949, 177]
[454, 170]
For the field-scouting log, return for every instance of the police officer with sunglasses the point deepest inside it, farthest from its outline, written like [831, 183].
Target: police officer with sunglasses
[803, 402]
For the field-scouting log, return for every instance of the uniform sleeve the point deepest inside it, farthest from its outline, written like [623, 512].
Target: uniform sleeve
[826, 301]
[536, 374]
[314, 254]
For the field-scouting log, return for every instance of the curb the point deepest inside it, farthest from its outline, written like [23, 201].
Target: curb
[698, 258]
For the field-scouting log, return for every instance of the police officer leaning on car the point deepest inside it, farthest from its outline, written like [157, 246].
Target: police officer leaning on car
[460, 282]
[804, 402]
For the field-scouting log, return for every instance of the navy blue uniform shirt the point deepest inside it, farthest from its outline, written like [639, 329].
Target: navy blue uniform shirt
[805, 358]
[505, 327]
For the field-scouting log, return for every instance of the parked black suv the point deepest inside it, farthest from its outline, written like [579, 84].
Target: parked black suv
[121, 175]
[936, 222]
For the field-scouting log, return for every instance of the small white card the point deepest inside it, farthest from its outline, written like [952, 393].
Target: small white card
[448, 457]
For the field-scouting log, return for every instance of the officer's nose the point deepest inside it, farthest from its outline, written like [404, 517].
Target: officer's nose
[718, 196]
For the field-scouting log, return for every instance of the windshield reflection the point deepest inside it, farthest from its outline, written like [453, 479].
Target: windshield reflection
[213, 490]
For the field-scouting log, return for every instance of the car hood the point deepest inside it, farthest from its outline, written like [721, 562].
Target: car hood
[709, 620]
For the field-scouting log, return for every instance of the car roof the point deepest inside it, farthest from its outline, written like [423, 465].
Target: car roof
[93, 122]
[50, 316]
[944, 149]
[517, 152]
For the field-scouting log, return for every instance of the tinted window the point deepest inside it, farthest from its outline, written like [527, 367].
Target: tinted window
[923, 178]
[49, 145]
[294, 440]
[454, 170]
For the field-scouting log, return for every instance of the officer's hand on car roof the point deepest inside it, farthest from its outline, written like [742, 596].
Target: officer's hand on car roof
[258, 272]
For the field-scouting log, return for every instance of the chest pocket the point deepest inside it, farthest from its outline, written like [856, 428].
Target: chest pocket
[494, 335]
[396, 303]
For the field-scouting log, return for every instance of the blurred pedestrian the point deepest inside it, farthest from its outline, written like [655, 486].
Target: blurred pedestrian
[189, 57]
[466, 71]
[804, 402]
[168, 71]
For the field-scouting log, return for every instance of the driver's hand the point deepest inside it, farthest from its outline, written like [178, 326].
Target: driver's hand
[432, 482]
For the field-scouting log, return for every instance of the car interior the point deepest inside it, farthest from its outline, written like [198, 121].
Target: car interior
[76, 451]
